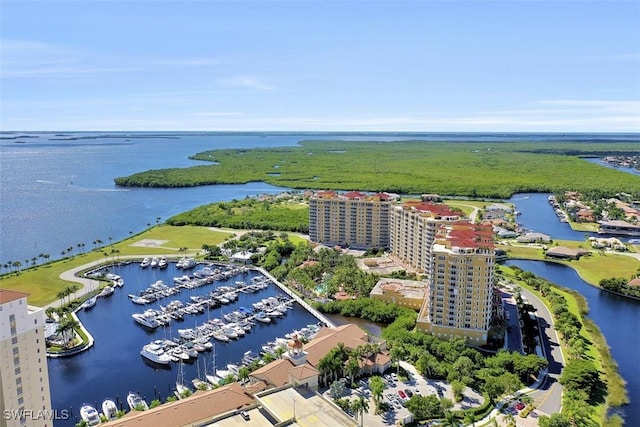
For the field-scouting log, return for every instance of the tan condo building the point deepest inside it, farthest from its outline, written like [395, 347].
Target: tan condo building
[413, 229]
[352, 219]
[459, 299]
[24, 379]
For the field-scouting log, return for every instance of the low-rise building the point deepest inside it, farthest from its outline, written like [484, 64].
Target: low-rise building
[406, 293]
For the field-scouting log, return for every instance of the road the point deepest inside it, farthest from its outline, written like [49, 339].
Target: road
[548, 397]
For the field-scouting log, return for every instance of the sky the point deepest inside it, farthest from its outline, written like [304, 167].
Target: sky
[423, 66]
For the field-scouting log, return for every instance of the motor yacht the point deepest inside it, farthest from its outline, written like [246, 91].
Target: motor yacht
[106, 292]
[163, 263]
[89, 303]
[145, 262]
[90, 415]
[155, 353]
[146, 320]
[136, 402]
[109, 409]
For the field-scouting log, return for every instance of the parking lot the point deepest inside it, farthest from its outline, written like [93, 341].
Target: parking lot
[396, 392]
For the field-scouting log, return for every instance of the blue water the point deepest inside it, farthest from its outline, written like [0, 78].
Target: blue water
[537, 215]
[113, 367]
[617, 317]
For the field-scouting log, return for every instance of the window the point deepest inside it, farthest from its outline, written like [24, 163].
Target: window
[17, 371]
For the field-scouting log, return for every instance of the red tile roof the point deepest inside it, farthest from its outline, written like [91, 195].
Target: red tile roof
[437, 209]
[7, 295]
[467, 235]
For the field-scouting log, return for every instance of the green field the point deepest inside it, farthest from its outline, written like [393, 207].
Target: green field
[42, 283]
[592, 268]
[409, 167]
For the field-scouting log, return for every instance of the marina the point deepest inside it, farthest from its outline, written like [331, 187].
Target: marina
[211, 341]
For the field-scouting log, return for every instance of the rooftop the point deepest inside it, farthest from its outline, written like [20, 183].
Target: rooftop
[7, 295]
[199, 407]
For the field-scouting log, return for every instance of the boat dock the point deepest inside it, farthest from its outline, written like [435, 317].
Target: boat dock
[321, 317]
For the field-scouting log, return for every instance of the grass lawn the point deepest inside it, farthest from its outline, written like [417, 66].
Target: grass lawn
[592, 269]
[583, 226]
[42, 283]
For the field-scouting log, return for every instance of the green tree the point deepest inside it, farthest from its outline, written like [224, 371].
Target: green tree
[450, 420]
[580, 375]
[377, 389]
[352, 368]
[360, 406]
[555, 420]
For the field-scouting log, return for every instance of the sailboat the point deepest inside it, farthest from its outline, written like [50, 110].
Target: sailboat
[181, 389]
[198, 383]
[213, 378]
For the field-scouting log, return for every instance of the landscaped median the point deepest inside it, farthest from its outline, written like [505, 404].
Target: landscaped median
[81, 340]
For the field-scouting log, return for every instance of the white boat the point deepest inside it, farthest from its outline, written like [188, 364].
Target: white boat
[181, 389]
[139, 300]
[109, 409]
[145, 262]
[89, 303]
[146, 320]
[262, 317]
[186, 263]
[90, 415]
[154, 262]
[106, 292]
[136, 402]
[155, 353]
[163, 263]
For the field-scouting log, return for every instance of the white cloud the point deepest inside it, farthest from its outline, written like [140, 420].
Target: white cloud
[242, 81]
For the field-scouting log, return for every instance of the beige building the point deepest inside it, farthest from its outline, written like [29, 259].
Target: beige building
[412, 230]
[407, 293]
[24, 379]
[353, 219]
[461, 288]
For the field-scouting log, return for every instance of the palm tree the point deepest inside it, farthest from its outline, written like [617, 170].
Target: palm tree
[450, 420]
[508, 418]
[470, 418]
[377, 388]
[16, 265]
[359, 407]
[353, 367]
[397, 353]
[324, 366]
[279, 352]
[33, 261]
[46, 257]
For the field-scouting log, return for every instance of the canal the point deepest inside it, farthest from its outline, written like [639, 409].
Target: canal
[617, 317]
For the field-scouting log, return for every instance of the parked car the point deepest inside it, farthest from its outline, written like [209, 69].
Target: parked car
[519, 406]
[402, 394]
[417, 391]
[395, 377]
[389, 396]
[245, 415]
[408, 392]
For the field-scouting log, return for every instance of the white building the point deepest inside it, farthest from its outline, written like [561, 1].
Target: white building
[24, 379]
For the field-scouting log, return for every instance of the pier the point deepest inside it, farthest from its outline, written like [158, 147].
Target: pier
[321, 317]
